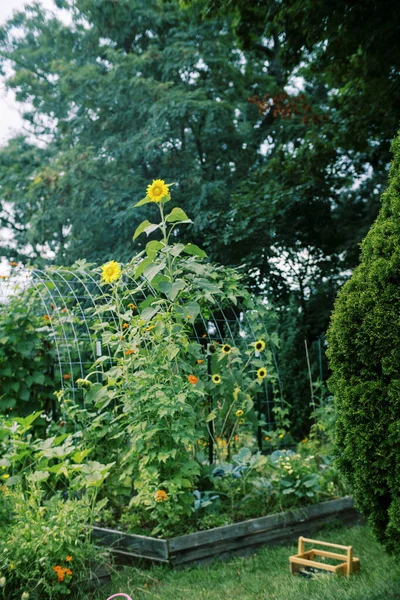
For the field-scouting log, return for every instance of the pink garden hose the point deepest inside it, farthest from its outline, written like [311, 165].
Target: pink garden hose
[120, 596]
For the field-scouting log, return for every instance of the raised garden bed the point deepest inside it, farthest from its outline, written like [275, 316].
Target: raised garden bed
[237, 539]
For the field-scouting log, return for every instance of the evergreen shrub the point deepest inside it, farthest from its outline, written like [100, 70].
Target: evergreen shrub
[364, 354]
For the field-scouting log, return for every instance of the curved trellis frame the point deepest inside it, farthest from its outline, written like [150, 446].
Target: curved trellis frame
[70, 298]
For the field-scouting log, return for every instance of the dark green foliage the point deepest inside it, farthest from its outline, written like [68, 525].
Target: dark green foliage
[364, 353]
[26, 357]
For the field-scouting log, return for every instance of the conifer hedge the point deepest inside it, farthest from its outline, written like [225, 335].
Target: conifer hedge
[364, 354]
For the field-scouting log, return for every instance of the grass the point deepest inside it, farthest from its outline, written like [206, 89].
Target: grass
[265, 576]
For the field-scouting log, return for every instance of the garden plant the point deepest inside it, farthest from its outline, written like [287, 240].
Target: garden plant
[134, 452]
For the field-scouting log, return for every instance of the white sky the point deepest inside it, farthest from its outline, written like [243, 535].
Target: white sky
[10, 119]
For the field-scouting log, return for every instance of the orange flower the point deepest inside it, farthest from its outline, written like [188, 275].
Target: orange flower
[160, 496]
[132, 306]
[130, 351]
[193, 379]
[125, 326]
[66, 376]
[200, 361]
[13, 264]
[68, 558]
[46, 317]
[204, 335]
[3, 276]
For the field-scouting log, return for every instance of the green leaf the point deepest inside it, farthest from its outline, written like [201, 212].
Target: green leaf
[177, 214]
[142, 265]
[79, 456]
[140, 229]
[151, 270]
[211, 416]
[38, 476]
[194, 250]
[153, 247]
[172, 289]
[145, 200]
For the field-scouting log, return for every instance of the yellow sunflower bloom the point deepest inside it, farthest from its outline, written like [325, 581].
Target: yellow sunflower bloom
[239, 413]
[261, 373]
[111, 271]
[226, 349]
[157, 190]
[216, 379]
[259, 345]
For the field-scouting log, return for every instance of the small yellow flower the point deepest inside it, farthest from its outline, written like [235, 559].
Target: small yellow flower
[262, 373]
[125, 326]
[149, 328]
[131, 306]
[216, 379]
[226, 349]
[160, 496]
[5, 476]
[200, 361]
[281, 435]
[239, 413]
[259, 345]
[241, 421]
[267, 438]
[157, 190]
[110, 271]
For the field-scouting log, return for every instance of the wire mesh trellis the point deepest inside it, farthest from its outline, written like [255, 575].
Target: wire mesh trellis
[70, 301]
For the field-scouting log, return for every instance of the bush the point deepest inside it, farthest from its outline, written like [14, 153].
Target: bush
[26, 357]
[364, 353]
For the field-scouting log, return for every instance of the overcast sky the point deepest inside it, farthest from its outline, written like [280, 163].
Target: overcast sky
[10, 120]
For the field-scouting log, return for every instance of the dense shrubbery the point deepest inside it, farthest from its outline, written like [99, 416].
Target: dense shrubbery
[26, 356]
[364, 352]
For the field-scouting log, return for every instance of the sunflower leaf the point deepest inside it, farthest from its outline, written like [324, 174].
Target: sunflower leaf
[140, 229]
[177, 214]
[194, 250]
[145, 200]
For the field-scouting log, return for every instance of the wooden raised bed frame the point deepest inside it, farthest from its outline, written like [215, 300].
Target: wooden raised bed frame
[348, 564]
[238, 539]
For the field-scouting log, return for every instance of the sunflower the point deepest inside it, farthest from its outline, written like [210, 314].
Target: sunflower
[157, 190]
[261, 373]
[216, 379]
[111, 271]
[259, 345]
[239, 413]
[226, 349]
[241, 421]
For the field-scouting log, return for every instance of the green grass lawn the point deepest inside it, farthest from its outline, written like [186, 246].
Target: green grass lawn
[265, 576]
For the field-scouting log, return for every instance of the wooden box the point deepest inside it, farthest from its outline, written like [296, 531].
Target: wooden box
[339, 564]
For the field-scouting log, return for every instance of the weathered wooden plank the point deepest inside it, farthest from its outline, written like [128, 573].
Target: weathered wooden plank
[260, 524]
[139, 545]
[252, 542]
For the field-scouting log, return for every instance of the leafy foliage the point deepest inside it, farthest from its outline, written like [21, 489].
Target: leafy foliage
[26, 356]
[364, 357]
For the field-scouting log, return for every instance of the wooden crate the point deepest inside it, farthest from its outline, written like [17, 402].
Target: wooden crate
[346, 563]
[221, 542]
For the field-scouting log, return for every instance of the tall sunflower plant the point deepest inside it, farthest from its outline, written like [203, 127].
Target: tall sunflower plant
[170, 390]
